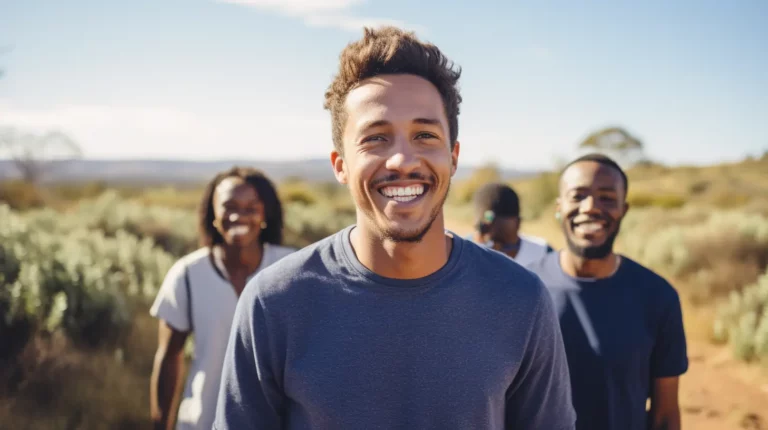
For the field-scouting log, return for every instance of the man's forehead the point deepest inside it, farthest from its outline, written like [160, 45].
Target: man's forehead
[590, 173]
[402, 96]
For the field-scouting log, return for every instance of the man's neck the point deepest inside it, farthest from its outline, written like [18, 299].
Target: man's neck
[402, 260]
[581, 267]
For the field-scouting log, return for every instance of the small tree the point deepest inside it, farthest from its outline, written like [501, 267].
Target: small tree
[35, 155]
[617, 143]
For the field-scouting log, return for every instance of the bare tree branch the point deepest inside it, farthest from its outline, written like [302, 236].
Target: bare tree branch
[35, 155]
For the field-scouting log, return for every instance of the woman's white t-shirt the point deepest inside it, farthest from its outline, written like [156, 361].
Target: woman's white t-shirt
[212, 308]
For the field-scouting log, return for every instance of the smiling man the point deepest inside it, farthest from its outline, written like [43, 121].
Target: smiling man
[621, 323]
[393, 322]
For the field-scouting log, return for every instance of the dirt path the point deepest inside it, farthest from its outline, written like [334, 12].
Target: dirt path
[717, 392]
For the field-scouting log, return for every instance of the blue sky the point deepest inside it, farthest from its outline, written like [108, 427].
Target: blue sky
[207, 79]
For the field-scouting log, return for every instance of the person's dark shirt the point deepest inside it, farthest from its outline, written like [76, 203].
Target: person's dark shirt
[620, 333]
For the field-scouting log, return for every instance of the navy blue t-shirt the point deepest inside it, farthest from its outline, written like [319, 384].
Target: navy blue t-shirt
[620, 333]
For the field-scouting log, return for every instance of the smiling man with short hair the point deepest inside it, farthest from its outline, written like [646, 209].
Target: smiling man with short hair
[394, 322]
[622, 323]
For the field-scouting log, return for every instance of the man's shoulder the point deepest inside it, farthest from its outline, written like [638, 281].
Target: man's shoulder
[489, 264]
[649, 280]
[535, 240]
[544, 264]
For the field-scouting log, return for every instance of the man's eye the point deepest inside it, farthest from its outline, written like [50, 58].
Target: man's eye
[421, 136]
[376, 138]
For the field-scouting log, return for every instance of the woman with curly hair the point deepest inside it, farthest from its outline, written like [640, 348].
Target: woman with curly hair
[241, 232]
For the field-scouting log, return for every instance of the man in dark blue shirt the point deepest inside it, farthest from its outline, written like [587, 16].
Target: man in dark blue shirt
[621, 323]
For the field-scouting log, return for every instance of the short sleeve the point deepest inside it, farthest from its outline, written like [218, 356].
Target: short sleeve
[540, 396]
[670, 355]
[171, 302]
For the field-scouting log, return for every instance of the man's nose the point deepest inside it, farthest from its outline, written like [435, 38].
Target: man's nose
[588, 205]
[404, 157]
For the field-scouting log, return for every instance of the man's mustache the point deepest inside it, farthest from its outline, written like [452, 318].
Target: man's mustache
[395, 177]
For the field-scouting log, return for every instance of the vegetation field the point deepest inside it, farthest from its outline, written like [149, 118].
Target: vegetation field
[80, 264]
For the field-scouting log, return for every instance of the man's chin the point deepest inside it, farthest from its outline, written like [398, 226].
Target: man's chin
[590, 250]
[402, 232]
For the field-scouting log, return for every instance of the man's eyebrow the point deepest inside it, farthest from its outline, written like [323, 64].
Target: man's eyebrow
[586, 187]
[383, 123]
[427, 121]
[375, 123]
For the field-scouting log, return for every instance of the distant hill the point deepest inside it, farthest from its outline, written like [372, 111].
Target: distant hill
[193, 172]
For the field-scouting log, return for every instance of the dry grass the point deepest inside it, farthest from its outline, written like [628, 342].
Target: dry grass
[53, 385]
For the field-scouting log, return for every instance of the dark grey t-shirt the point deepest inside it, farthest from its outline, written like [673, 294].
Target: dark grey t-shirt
[319, 341]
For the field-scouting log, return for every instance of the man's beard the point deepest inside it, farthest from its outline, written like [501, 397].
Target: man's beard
[592, 252]
[415, 236]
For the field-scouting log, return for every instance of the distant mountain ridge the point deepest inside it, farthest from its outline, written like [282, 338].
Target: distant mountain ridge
[139, 171]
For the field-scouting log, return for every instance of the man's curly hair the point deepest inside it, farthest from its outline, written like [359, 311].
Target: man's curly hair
[390, 50]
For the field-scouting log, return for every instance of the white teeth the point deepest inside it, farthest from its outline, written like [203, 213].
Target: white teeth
[407, 192]
[239, 229]
[589, 227]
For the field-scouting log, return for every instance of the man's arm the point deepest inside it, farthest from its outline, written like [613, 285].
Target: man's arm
[250, 395]
[540, 396]
[166, 370]
[669, 360]
[665, 409]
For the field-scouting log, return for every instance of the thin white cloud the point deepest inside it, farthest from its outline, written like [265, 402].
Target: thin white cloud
[355, 23]
[297, 7]
[324, 13]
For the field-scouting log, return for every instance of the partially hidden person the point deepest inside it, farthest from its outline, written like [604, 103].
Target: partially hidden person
[241, 233]
[498, 221]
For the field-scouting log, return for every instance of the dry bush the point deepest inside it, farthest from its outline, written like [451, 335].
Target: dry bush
[641, 199]
[20, 195]
[54, 385]
[742, 320]
[714, 252]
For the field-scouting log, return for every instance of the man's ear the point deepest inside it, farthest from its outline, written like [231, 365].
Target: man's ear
[626, 208]
[455, 157]
[339, 168]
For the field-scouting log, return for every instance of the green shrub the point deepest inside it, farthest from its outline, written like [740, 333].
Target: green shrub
[716, 251]
[742, 321]
[57, 276]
